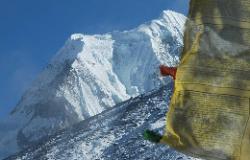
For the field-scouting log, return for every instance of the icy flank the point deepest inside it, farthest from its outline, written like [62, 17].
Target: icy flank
[90, 74]
[115, 134]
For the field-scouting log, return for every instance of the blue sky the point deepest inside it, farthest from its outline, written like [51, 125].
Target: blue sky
[32, 31]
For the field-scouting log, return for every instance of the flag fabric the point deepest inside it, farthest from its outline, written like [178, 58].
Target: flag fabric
[209, 111]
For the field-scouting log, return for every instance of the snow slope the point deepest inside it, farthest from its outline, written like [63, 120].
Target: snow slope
[114, 134]
[92, 73]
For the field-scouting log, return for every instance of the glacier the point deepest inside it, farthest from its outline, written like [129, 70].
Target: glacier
[90, 74]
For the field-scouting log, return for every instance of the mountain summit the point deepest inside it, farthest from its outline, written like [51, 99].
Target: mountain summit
[92, 73]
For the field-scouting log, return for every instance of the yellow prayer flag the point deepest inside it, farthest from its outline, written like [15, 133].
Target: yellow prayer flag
[209, 111]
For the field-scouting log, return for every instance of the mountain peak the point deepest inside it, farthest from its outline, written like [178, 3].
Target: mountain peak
[171, 13]
[92, 73]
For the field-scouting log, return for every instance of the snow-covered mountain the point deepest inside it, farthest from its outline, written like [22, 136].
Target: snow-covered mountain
[90, 74]
[114, 134]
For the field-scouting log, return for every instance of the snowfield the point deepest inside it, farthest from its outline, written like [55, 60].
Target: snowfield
[114, 134]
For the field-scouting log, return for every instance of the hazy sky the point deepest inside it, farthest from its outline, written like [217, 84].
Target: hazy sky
[32, 31]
